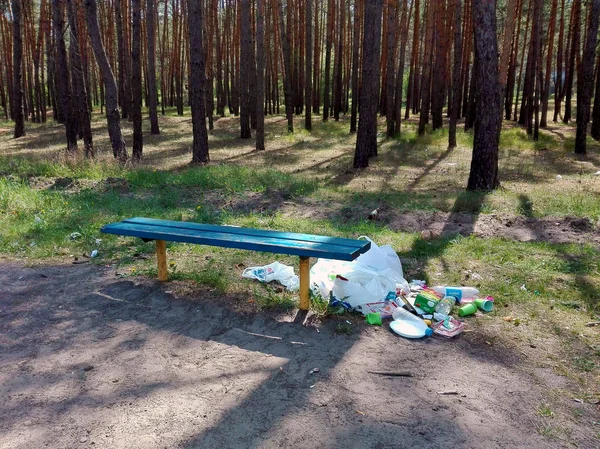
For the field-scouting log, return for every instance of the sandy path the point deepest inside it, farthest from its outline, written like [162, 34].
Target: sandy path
[88, 360]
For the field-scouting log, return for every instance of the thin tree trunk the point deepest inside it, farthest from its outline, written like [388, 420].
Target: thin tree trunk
[392, 20]
[358, 7]
[585, 82]
[575, 33]
[260, 75]
[287, 62]
[79, 88]
[412, 76]
[113, 116]
[308, 67]
[151, 81]
[245, 70]
[550, 52]
[558, 91]
[328, 45]
[63, 87]
[427, 62]
[366, 139]
[484, 164]
[456, 84]
[339, 57]
[197, 71]
[404, 25]
[136, 80]
[17, 97]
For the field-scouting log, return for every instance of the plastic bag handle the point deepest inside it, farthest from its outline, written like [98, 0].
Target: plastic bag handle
[365, 237]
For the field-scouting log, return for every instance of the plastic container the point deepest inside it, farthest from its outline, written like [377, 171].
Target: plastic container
[408, 325]
[458, 292]
[444, 307]
[467, 309]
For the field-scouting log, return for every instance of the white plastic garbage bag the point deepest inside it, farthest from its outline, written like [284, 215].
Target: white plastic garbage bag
[275, 271]
[369, 278]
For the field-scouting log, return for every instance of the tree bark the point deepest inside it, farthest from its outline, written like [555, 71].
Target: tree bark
[63, 87]
[339, 57]
[287, 62]
[550, 52]
[404, 24]
[308, 67]
[79, 88]
[585, 82]
[197, 96]
[260, 75]
[113, 117]
[136, 80]
[426, 73]
[484, 164]
[558, 91]
[355, 61]
[17, 97]
[328, 45]
[124, 92]
[456, 79]
[392, 19]
[245, 69]
[575, 33]
[151, 81]
[366, 139]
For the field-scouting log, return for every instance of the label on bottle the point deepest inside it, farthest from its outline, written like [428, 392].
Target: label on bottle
[455, 292]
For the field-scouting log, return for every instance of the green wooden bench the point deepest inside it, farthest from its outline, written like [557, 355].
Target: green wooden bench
[303, 245]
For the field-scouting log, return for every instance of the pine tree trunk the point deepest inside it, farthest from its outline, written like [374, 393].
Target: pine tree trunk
[124, 92]
[197, 71]
[246, 44]
[260, 75]
[595, 131]
[358, 7]
[438, 87]
[392, 19]
[339, 57]
[549, 53]
[573, 52]
[404, 25]
[414, 59]
[366, 139]
[585, 81]
[484, 164]
[287, 62]
[151, 81]
[79, 88]
[558, 91]
[308, 67]
[426, 73]
[63, 86]
[456, 79]
[328, 45]
[136, 80]
[17, 97]
[113, 116]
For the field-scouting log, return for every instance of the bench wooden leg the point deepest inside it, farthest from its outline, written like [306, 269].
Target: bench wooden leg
[161, 258]
[304, 282]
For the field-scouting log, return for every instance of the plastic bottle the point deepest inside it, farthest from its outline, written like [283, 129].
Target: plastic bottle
[457, 292]
[445, 305]
[408, 325]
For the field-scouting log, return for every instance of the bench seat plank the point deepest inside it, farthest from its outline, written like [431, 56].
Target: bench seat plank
[303, 245]
[351, 243]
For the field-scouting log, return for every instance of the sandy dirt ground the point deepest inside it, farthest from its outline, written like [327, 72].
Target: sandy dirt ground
[91, 360]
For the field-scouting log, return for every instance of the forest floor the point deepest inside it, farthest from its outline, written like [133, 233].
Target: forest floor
[93, 351]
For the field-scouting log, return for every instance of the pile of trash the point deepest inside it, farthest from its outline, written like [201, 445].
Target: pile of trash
[374, 285]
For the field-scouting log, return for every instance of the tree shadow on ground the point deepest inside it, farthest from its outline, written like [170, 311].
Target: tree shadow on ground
[76, 314]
